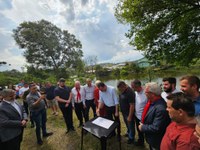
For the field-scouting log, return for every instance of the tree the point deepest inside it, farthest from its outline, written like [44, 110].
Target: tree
[3, 63]
[165, 30]
[91, 61]
[47, 46]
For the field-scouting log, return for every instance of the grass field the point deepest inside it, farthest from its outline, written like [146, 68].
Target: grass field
[71, 141]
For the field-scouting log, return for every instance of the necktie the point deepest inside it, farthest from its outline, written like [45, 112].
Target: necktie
[78, 97]
[146, 108]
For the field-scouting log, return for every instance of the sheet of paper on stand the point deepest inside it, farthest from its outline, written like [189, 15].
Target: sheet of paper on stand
[102, 122]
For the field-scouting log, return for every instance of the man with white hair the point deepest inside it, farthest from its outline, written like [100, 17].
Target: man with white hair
[78, 96]
[155, 118]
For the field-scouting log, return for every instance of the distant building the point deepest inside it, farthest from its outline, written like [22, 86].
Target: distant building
[143, 62]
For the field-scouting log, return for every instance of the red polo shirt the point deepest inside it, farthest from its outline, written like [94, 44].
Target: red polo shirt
[180, 137]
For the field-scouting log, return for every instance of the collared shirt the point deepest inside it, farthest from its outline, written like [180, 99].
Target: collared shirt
[32, 98]
[180, 137]
[109, 97]
[22, 90]
[74, 95]
[197, 105]
[13, 103]
[140, 102]
[89, 92]
[165, 94]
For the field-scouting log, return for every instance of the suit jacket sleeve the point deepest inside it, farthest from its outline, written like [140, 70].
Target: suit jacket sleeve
[6, 120]
[157, 121]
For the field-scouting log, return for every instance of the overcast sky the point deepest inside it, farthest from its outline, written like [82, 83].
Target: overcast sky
[91, 21]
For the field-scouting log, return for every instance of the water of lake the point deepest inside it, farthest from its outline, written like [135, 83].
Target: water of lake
[158, 80]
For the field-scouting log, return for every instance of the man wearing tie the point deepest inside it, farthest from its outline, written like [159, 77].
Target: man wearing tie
[78, 96]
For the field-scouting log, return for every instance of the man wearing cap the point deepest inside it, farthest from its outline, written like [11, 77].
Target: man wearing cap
[63, 96]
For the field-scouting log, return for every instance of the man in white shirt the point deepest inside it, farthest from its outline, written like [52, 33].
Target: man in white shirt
[140, 102]
[78, 96]
[169, 87]
[89, 99]
[108, 97]
[23, 89]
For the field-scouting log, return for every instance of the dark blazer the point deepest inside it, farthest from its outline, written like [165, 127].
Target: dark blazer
[155, 123]
[10, 121]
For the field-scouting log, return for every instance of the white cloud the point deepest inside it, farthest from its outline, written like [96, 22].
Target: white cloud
[91, 21]
[129, 55]
[15, 61]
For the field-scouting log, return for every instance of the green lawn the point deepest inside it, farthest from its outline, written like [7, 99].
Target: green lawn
[71, 141]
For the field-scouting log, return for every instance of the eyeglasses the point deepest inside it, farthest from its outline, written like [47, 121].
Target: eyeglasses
[12, 95]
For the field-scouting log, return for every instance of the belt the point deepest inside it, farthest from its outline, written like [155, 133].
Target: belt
[89, 99]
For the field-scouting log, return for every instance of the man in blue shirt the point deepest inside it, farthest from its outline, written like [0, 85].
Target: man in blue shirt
[51, 98]
[190, 86]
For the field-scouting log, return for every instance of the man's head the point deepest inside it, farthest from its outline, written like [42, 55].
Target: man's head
[33, 88]
[136, 85]
[102, 87]
[97, 82]
[197, 128]
[180, 107]
[121, 86]
[152, 91]
[8, 94]
[190, 85]
[48, 84]
[62, 82]
[169, 84]
[89, 81]
[26, 84]
[77, 84]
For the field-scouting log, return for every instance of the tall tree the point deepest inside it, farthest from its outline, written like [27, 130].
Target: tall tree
[165, 30]
[47, 46]
[91, 61]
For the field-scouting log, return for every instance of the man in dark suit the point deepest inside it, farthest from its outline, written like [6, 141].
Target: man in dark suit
[155, 118]
[12, 121]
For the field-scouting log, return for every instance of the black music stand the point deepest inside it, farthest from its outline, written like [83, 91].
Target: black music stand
[101, 133]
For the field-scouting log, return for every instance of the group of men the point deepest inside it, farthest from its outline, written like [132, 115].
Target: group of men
[166, 119]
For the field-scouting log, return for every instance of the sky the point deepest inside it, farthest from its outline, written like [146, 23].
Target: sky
[91, 21]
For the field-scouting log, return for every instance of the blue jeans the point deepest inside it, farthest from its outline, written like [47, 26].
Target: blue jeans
[130, 126]
[40, 118]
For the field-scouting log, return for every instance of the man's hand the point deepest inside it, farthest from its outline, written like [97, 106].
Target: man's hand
[129, 119]
[97, 112]
[23, 123]
[42, 96]
[68, 101]
[116, 114]
[140, 126]
[84, 106]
